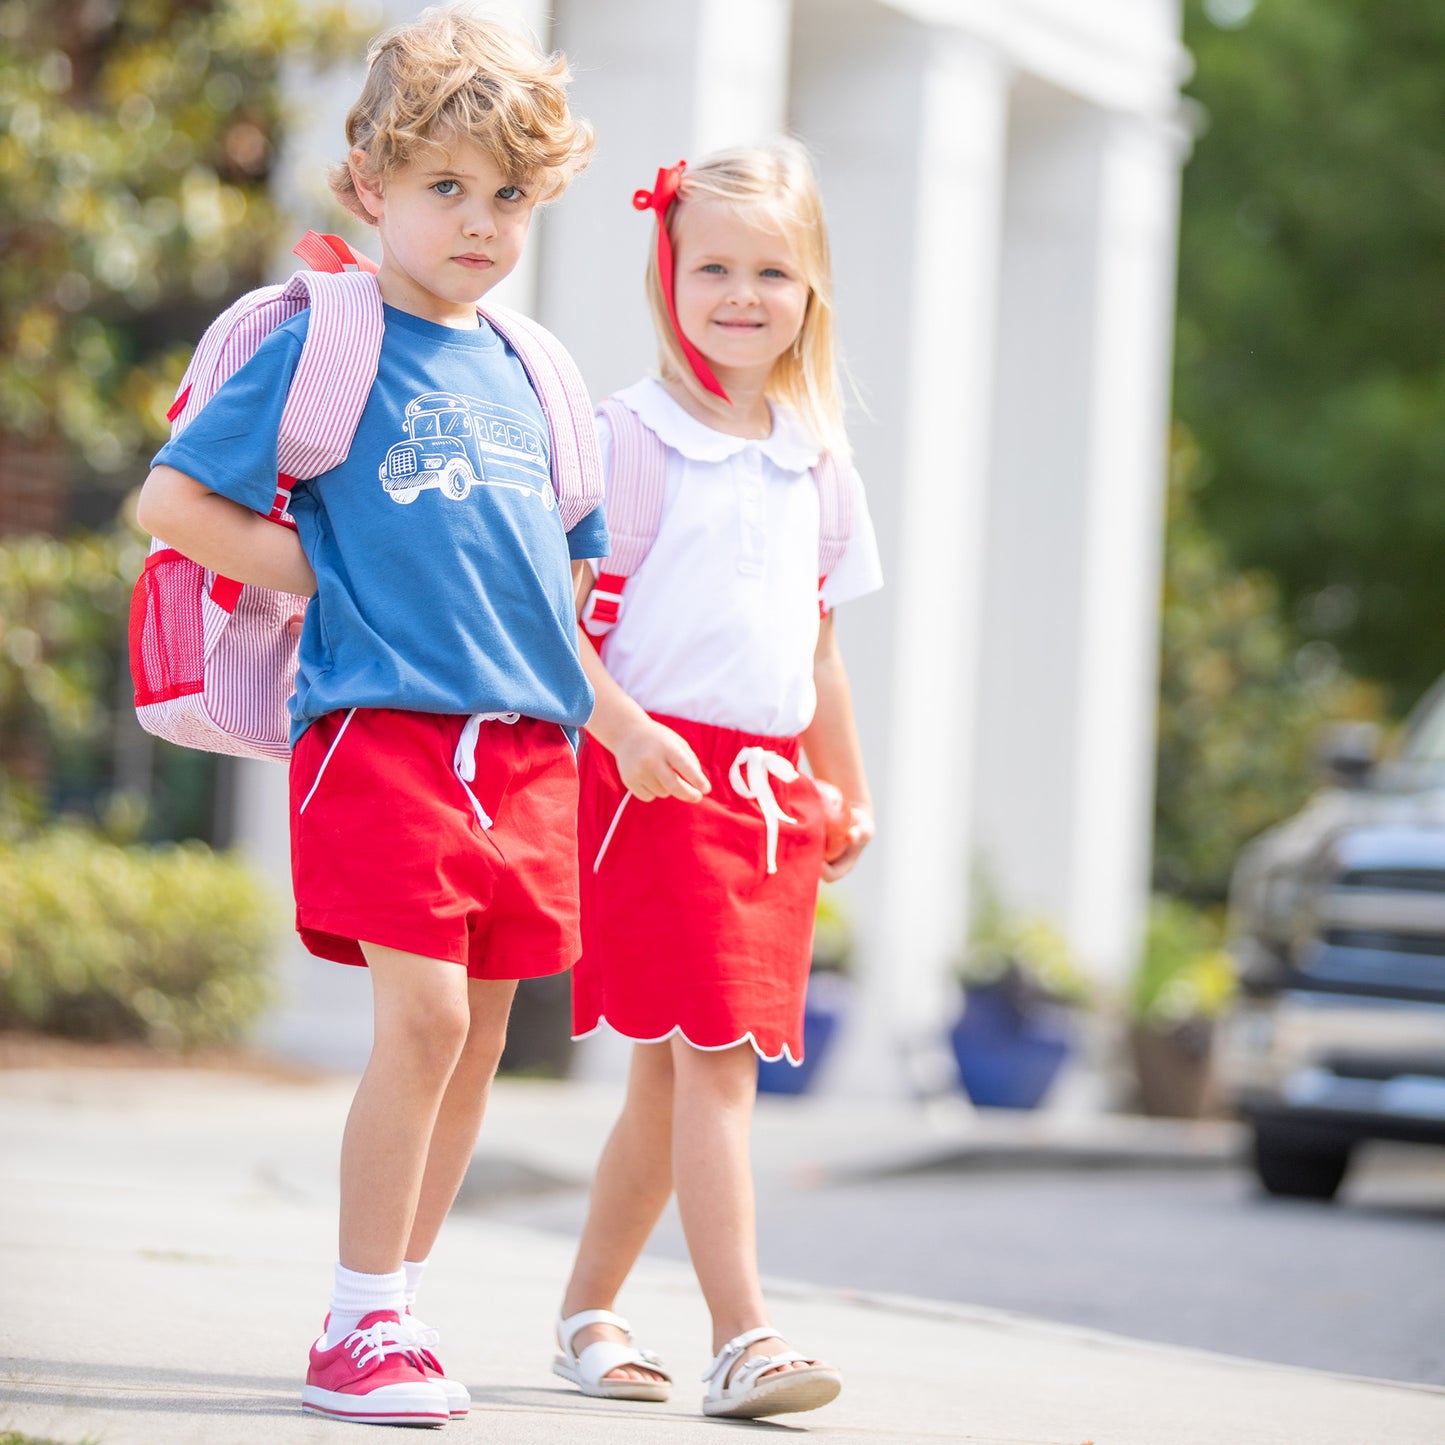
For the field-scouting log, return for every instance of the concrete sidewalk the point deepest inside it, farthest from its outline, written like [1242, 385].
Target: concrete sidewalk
[165, 1248]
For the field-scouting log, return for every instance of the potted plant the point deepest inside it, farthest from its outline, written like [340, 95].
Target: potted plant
[829, 993]
[1184, 981]
[1022, 988]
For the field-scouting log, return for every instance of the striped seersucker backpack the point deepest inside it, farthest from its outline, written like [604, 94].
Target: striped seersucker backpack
[213, 662]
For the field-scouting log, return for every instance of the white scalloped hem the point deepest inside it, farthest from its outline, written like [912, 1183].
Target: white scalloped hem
[784, 1053]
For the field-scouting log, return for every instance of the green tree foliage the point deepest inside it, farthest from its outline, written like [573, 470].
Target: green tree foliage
[61, 639]
[1241, 703]
[1312, 300]
[136, 141]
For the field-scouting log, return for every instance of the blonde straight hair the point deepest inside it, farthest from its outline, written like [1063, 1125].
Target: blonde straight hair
[776, 183]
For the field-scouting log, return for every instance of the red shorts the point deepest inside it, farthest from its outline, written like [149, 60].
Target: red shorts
[389, 843]
[684, 928]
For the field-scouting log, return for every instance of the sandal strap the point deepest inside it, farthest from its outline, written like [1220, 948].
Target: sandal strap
[601, 1357]
[718, 1370]
[749, 1371]
[567, 1326]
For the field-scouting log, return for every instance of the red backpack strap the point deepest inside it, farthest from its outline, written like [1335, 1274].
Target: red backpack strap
[576, 465]
[324, 252]
[834, 481]
[636, 485]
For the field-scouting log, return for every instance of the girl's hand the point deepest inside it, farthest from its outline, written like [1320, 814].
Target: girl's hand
[656, 762]
[860, 834]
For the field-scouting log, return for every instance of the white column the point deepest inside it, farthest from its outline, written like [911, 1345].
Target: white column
[1065, 742]
[1123, 543]
[661, 80]
[914, 210]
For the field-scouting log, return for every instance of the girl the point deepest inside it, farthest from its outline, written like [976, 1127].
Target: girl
[729, 496]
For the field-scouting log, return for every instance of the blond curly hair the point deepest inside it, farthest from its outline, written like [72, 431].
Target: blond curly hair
[451, 76]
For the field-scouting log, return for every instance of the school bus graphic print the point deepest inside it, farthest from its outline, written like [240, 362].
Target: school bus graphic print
[455, 443]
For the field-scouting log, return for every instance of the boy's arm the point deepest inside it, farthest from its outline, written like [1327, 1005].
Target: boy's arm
[831, 743]
[223, 535]
[653, 761]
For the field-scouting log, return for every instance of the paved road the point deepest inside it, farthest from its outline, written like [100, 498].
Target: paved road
[164, 1238]
[1182, 1256]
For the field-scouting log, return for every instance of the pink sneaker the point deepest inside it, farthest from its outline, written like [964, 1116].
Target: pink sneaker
[423, 1338]
[373, 1378]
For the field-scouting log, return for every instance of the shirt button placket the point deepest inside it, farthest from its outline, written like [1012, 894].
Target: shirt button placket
[752, 541]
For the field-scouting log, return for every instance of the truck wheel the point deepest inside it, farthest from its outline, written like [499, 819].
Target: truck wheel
[457, 480]
[1293, 1167]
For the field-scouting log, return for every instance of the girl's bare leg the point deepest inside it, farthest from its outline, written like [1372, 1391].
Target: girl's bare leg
[714, 1094]
[629, 1193]
[421, 1022]
[454, 1136]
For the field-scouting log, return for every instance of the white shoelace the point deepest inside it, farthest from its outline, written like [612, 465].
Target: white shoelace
[464, 760]
[752, 775]
[381, 1339]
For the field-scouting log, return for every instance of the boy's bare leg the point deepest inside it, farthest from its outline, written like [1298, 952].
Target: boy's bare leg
[714, 1094]
[421, 1024]
[629, 1192]
[459, 1119]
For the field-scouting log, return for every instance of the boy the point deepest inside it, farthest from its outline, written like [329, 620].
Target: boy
[433, 783]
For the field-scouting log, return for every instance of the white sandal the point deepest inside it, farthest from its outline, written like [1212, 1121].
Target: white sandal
[743, 1396]
[586, 1370]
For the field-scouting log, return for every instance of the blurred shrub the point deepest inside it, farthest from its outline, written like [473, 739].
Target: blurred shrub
[1025, 954]
[832, 933]
[1241, 702]
[1184, 972]
[169, 945]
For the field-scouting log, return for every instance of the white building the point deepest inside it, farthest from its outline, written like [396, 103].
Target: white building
[1001, 179]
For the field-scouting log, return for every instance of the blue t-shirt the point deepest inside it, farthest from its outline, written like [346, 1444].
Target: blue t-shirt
[442, 568]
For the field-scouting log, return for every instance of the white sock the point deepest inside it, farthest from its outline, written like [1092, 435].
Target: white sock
[355, 1295]
[414, 1269]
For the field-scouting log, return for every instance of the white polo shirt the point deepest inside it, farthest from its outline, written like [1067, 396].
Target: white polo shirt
[720, 622]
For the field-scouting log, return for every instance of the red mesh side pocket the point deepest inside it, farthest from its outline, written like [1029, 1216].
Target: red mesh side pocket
[167, 635]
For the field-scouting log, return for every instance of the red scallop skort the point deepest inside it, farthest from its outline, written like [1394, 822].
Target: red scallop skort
[684, 930]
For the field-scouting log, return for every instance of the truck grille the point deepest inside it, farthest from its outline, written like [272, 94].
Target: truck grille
[1431, 945]
[1403, 880]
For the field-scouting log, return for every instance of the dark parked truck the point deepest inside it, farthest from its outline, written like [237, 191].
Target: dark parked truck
[1338, 924]
[455, 443]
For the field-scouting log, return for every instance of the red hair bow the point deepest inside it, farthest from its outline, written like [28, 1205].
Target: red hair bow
[659, 199]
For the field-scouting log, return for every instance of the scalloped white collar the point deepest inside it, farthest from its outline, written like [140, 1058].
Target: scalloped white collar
[790, 448]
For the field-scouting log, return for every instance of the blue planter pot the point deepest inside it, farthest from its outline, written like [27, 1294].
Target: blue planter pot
[822, 1014]
[1007, 1056]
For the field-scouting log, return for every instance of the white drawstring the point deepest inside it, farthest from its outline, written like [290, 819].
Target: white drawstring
[751, 775]
[316, 782]
[616, 819]
[464, 760]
